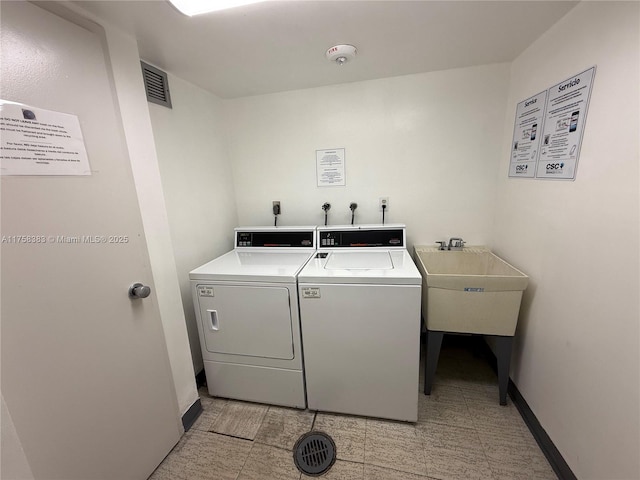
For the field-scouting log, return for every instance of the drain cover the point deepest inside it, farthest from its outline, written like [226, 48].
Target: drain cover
[314, 453]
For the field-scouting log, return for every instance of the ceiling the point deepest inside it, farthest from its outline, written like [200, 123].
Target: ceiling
[280, 45]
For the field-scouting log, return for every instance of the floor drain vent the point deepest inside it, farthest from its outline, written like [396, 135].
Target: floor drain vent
[314, 453]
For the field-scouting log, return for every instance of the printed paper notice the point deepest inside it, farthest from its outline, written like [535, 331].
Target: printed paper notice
[525, 144]
[35, 141]
[330, 170]
[565, 117]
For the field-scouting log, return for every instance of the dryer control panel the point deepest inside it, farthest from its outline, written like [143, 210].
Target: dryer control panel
[274, 239]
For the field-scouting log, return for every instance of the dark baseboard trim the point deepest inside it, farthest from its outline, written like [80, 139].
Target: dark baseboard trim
[191, 415]
[554, 457]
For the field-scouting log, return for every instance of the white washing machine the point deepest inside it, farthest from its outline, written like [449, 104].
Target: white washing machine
[246, 304]
[360, 314]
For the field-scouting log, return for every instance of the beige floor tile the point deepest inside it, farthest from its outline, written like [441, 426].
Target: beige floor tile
[454, 453]
[200, 453]
[240, 419]
[484, 392]
[462, 377]
[161, 473]
[515, 456]
[342, 471]
[269, 463]
[281, 427]
[394, 445]
[445, 393]
[347, 432]
[211, 409]
[180, 456]
[443, 406]
[373, 472]
[493, 416]
[488, 393]
[463, 370]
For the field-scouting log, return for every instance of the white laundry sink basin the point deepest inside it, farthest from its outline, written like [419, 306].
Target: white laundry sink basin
[469, 291]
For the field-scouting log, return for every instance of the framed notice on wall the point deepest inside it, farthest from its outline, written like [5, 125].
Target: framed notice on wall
[330, 170]
[565, 117]
[548, 130]
[525, 143]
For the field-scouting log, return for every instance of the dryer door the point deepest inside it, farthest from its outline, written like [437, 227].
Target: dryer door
[252, 321]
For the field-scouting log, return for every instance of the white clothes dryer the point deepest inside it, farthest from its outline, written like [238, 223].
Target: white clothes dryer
[246, 305]
[360, 314]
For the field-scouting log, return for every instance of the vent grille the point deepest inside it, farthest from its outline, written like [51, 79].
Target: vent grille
[156, 85]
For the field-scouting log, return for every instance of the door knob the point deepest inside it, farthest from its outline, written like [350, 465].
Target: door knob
[138, 290]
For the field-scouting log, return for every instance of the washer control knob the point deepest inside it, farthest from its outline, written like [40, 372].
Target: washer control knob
[138, 290]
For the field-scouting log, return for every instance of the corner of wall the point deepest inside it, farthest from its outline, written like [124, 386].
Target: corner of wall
[199, 194]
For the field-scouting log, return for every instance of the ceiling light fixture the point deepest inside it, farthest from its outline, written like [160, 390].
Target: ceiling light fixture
[341, 54]
[197, 7]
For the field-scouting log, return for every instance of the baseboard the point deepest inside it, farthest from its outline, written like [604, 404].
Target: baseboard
[554, 457]
[189, 418]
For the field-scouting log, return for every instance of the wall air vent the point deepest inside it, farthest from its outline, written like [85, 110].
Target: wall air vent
[156, 84]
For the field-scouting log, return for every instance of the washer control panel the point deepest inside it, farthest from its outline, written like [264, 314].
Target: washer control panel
[361, 238]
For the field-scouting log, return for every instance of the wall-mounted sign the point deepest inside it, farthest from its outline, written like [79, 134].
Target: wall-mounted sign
[548, 130]
[35, 141]
[525, 143]
[566, 114]
[330, 169]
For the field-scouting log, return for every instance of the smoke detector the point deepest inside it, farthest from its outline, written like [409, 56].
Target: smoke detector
[341, 54]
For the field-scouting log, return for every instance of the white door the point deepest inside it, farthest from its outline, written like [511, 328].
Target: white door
[85, 370]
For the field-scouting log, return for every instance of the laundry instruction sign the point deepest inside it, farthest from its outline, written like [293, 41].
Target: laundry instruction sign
[550, 139]
[330, 170]
[35, 141]
[526, 137]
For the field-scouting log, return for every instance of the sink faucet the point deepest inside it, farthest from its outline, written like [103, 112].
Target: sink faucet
[455, 243]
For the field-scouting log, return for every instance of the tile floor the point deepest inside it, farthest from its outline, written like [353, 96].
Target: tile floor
[462, 433]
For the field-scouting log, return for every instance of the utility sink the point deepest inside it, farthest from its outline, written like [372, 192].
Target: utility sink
[469, 291]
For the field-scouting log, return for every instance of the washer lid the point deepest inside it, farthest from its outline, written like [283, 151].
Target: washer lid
[359, 261]
[353, 266]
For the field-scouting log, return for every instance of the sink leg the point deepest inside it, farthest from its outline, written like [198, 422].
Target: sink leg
[434, 342]
[503, 348]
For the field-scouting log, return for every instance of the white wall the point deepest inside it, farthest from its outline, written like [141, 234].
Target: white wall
[576, 358]
[198, 186]
[430, 142]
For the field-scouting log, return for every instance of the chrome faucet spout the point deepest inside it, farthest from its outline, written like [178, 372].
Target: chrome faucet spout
[455, 243]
